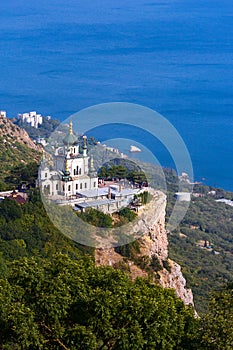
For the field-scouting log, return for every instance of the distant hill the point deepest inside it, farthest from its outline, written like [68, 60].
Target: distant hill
[16, 147]
[43, 131]
[203, 243]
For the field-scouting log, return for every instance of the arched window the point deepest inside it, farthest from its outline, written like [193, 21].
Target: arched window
[76, 186]
[47, 189]
[80, 171]
[81, 186]
[85, 185]
[69, 188]
[74, 171]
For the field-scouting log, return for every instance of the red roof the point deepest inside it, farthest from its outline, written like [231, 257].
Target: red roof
[17, 197]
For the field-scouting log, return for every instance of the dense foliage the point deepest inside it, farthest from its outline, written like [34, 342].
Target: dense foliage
[96, 218]
[61, 303]
[217, 325]
[127, 214]
[53, 297]
[122, 172]
[23, 174]
[100, 219]
[27, 230]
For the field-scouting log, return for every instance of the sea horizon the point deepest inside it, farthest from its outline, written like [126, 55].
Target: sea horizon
[174, 57]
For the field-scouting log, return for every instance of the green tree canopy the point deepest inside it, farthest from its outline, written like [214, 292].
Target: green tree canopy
[217, 325]
[61, 303]
[10, 210]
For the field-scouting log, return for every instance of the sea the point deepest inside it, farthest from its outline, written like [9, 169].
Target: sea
[174, 56]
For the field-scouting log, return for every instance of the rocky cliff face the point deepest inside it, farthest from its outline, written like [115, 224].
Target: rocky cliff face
[12, 134]
[15, 147]
[174, 279]
[154, 243]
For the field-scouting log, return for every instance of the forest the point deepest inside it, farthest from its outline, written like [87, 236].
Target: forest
[52, 296]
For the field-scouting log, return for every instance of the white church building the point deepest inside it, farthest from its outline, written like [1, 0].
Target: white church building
[71, 171]
[70, 178]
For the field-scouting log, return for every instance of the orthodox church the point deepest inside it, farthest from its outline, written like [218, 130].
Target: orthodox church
[70, 171]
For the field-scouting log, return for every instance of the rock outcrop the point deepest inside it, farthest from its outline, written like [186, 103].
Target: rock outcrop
[12, 134]
[174, 279]
[153, 243]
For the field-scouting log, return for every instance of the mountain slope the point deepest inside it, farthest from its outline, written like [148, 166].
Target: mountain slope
[203, 244]
[16, 147]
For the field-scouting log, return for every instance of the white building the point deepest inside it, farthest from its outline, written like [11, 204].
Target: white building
[72, 179]
[3, 114]
[71, 171]
[31, 118]
[41, 141]
[183, 196]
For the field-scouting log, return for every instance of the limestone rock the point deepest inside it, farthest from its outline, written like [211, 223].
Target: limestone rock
[174, 279]
[154, 242]
[12, 133]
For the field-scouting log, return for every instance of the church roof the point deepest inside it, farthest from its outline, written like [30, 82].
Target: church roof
[70, 138]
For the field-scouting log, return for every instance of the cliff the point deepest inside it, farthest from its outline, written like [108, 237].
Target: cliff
[153, 246]
[12, 134]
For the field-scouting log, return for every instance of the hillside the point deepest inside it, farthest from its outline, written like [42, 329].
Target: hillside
[16, 148]
[203, 243]
[43, 131]
[53, 296]
[207, 222]
[206, 219]
[49, 287]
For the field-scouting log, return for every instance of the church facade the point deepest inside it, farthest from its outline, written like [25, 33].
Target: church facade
[70, 171]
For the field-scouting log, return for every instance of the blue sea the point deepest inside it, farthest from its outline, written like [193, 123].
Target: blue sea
[174, 56]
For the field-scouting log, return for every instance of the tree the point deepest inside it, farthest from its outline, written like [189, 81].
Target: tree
[23, 173]
[103, 173]
[217, 325]
[61, 303]
[96, 218]
[128, 214]
[137, 177]
[10, 210]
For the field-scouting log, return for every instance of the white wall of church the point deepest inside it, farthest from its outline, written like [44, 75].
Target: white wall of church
[78, 166]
